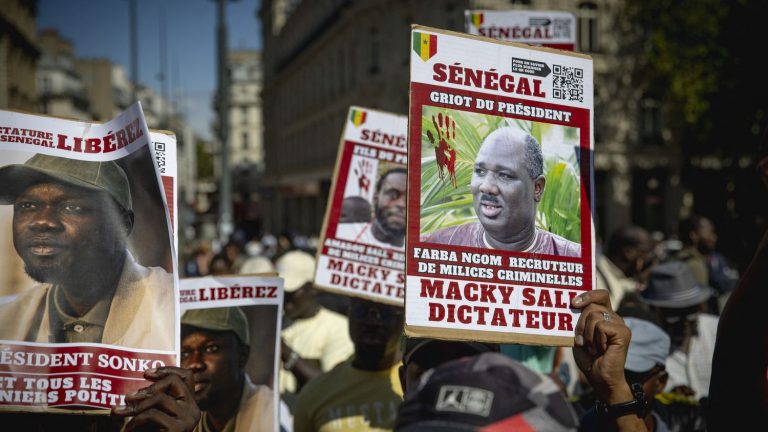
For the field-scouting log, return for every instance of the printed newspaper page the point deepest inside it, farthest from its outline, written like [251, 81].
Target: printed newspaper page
[363, 236]
[241, 316]
[552, 29]
[86, 237]
[500, 235]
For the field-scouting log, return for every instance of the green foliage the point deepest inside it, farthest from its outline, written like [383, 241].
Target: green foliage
[205, 160]
[443, 205]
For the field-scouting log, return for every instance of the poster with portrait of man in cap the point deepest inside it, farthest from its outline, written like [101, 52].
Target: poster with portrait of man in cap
[89, 299]
[229, 340]
[499, 230]
[363, 235]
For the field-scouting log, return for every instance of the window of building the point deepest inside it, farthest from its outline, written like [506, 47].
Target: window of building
[650, 120]
[373, 67]
[245, 140]
[587, 26]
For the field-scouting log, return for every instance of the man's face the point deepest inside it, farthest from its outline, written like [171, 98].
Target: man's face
[298, 304]
[389, 203]
[706, 235]
[216, 360]
[680, 323]
[374, 327]
[504, 194]
[63, 231]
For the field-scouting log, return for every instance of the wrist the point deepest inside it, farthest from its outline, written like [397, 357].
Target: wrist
[618, 394]
[620, 404]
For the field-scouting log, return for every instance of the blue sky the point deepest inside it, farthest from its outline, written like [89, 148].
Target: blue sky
[101, 29]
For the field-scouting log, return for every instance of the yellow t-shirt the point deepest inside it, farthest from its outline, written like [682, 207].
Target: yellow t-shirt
[323, 337]
[348, 399]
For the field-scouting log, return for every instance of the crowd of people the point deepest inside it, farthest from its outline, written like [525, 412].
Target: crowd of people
[661, 344]
[345, 365]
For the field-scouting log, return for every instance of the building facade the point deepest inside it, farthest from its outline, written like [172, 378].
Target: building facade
[107, 86]
[245, 117]
[321, 57]
[19, 53]
[61, 90]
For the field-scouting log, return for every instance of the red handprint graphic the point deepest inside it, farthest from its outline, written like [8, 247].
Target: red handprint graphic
[445, 154]
[363, 170]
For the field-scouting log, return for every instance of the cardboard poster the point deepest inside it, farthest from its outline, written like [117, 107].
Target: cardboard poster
[500, 235]
[363, 236]
[250, 307]
[93, 300]
[163, 149]
[551, 29]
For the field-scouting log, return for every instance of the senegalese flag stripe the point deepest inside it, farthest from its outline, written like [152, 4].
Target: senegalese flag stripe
[357, 117]
[477, 19]
[425, 45]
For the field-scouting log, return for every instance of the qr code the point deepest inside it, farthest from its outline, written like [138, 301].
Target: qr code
[568, 83]
[561, 28]
[160, 156]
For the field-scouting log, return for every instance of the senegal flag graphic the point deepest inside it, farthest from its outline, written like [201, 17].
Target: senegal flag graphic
[425, 45]
[357, 117]
[477, 19]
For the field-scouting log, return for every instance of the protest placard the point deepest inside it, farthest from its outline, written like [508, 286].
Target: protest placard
[96, 301]
[241, 317]
[363, 234]
[163, 150]
[500, 235]
[552, 29]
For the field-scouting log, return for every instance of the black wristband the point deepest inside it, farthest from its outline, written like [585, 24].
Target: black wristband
[637, 406]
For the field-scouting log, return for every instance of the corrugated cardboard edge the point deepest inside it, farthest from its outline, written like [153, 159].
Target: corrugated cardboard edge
[499, 42]
[329, 205]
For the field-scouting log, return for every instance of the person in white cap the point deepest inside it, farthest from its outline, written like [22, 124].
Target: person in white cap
[314, 338]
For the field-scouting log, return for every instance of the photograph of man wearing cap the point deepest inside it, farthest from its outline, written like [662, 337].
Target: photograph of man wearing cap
[71, 220]
[314, 338]
[679, 301]
[215, 345]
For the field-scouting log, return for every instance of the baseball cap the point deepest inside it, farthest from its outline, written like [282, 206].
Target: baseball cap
[648, 347]
[257, 264]
[100, 176]
[420, 347]
[219, 319]
[296, 268]
[671, 285]
[489, 392]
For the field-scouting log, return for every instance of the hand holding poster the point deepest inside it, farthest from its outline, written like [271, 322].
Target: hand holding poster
[240, 316]
[549, 29]
[97, 306]
[499, 229]
[363, 234]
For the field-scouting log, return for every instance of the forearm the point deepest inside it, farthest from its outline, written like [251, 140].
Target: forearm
[304, 371]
